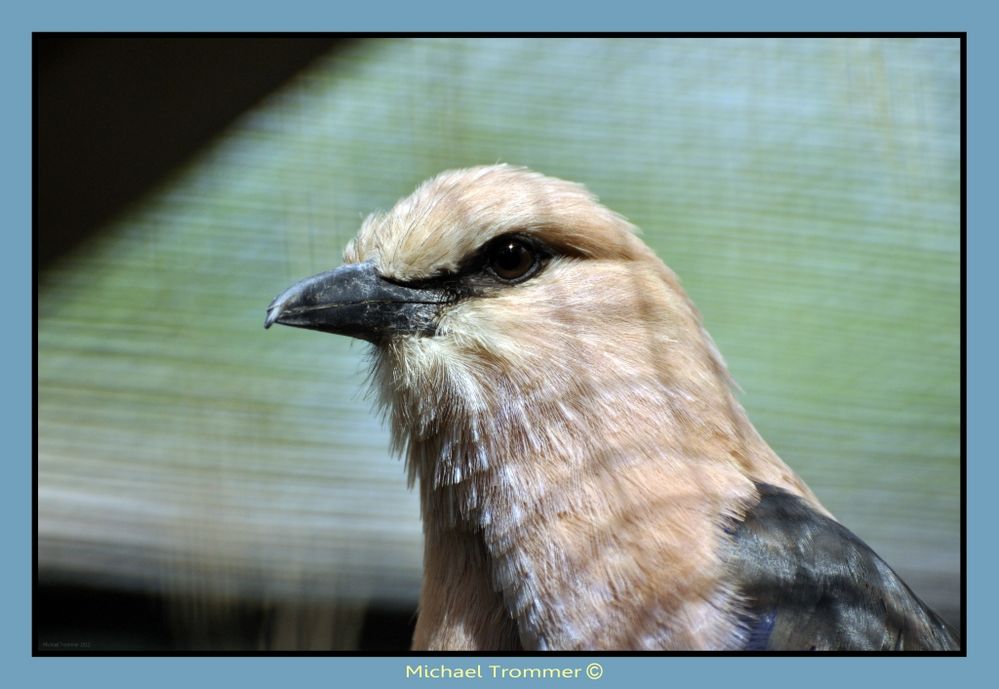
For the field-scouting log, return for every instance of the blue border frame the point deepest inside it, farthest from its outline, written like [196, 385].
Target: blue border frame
[513, 15]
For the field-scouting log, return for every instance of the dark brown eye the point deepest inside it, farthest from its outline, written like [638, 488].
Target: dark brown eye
[512, 259]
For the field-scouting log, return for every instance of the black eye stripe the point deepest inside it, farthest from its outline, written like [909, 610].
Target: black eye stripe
[475, 275]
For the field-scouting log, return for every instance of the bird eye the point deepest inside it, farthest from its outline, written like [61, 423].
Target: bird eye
[512, 259]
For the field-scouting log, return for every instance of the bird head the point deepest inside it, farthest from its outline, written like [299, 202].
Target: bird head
[516, 319]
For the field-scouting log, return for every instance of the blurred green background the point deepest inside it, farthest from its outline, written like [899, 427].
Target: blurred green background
[236, 484]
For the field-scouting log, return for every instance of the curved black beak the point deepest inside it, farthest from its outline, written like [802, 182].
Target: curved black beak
[355, 300]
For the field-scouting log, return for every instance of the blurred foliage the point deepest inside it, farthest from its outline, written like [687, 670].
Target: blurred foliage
[805, 190]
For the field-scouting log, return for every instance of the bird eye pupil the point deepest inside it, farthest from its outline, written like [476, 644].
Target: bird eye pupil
[511, 260]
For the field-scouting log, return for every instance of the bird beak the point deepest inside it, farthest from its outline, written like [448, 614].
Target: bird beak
[356, 301]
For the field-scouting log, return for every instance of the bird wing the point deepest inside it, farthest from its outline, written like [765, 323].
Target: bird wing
[811, 584]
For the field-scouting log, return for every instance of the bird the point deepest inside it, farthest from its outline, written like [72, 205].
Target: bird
[588, 479]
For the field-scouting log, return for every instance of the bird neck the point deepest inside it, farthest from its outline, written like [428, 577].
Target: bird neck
[596, 512]
[616, 544]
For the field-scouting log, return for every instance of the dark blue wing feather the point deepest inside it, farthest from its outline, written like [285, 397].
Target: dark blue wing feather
[811, 584]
